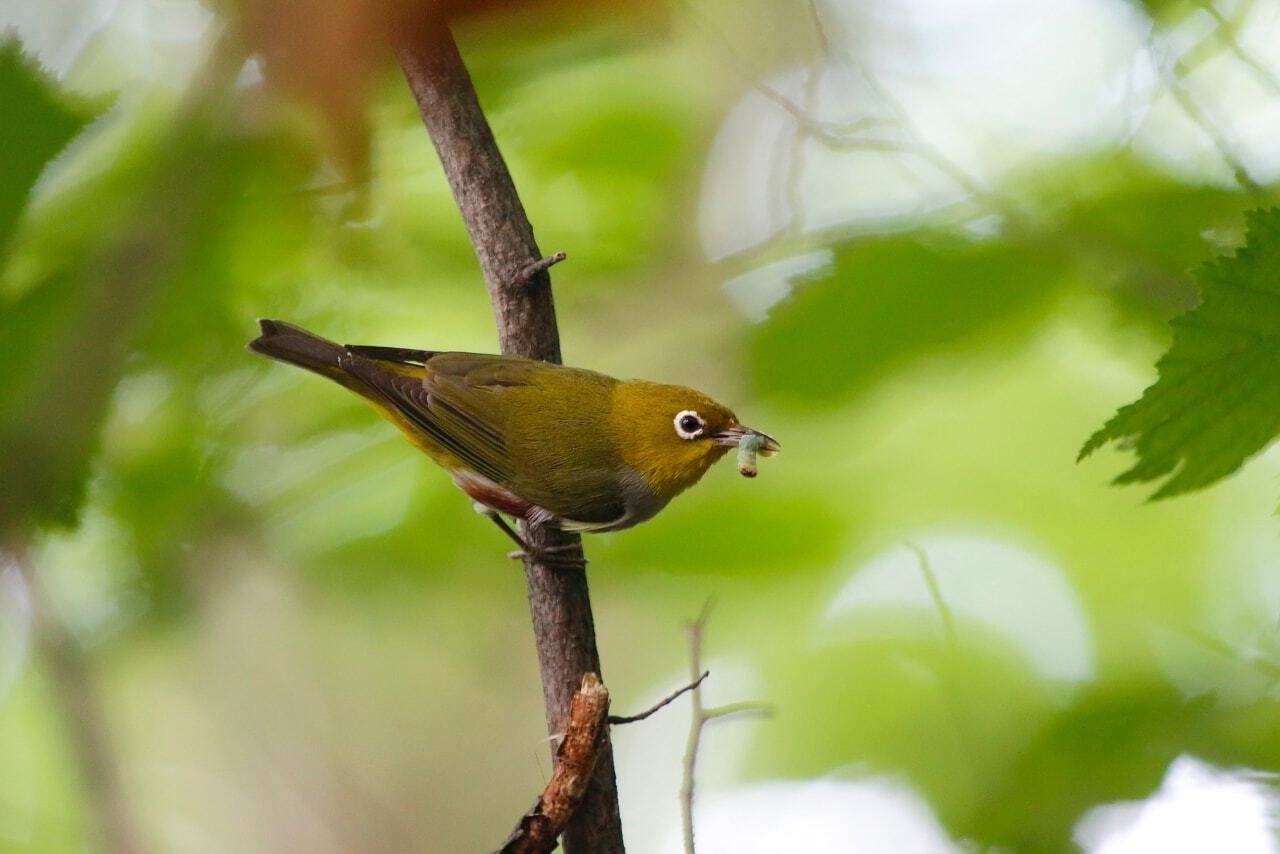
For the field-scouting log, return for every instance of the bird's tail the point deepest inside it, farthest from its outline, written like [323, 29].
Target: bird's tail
[294, 345]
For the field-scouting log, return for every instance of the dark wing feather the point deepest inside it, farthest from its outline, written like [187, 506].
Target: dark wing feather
[403, 355]
[466, 438]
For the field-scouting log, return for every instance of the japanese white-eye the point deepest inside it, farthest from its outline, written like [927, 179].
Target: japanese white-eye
[557, 446]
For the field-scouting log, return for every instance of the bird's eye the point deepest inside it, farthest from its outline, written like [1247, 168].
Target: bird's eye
[689, 424]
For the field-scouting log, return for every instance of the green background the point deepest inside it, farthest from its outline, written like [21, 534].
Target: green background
[302, 637]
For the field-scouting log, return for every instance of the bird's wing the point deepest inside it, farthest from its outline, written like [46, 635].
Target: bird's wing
[455, 399]
[470, 405]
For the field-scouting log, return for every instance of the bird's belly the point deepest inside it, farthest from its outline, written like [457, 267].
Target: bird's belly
[639, 504]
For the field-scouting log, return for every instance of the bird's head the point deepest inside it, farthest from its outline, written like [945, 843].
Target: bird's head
[671, 435]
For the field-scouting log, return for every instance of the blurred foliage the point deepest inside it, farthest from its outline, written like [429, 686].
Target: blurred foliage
[301, 629]
[144, 260]
[886, 301]
[1114, 742]
[50, 119]
[1146, 260]
[1215, 404]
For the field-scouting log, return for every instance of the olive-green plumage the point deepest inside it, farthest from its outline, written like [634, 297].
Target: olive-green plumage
[553, 445]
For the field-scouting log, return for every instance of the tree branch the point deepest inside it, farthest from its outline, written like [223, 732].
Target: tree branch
[520, 291]
[575, 760]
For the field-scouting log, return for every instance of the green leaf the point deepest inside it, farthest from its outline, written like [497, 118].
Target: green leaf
[40, 122]
[1217, 400]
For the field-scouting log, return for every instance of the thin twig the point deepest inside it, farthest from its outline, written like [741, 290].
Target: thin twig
[744, 707]
[696, 723]
[944, 610]
[795, 166]
[853, 135]
[835, 134]
[819, 29]
[1228, 32]
[529, 273]
[1174, 72]
[630, 719]
[922, 148]
[85, 719]
[805, 124]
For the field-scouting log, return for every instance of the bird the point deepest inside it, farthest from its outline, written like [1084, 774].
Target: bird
[555, 446]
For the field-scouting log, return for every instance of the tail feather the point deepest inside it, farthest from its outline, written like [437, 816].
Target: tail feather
[294, 345]
[394, 388]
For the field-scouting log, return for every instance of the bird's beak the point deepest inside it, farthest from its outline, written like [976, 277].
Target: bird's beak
[735, 434]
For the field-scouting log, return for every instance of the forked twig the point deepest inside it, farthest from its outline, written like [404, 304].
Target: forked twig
[701, 717]
[629, 719]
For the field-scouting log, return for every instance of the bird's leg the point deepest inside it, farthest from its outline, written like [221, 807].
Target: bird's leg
[551, 555]
[502, 525]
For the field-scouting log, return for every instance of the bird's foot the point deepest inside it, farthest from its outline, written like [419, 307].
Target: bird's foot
[567, 555]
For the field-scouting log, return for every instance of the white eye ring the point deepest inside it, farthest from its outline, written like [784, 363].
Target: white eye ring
[689, 424]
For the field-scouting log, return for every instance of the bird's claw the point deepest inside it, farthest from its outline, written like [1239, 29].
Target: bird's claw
[557, 555]
[561, 555]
